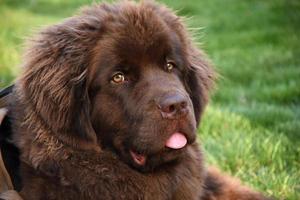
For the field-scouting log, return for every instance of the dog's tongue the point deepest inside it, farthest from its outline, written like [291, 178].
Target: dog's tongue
[176, 141]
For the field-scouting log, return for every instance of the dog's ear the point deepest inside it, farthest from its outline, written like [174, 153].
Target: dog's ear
[200, 79]
[54, 85]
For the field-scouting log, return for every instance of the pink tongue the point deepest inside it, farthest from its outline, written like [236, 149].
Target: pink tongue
[176, 141]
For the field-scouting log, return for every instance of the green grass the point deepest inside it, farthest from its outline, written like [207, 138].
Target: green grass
[252, 127]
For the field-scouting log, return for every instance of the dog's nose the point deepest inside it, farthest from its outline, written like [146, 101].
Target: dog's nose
[173, 106]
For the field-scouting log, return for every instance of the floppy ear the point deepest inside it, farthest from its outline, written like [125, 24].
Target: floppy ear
[200, 79]
[54, 85]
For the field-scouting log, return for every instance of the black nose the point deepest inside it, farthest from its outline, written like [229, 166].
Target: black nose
[173, 106]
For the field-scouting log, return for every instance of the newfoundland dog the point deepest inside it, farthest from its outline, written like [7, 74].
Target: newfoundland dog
[108, 105]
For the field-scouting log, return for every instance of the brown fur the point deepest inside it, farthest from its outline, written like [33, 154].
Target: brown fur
[75, 128]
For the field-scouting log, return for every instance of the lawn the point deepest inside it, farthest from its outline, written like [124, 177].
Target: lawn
[252, 127]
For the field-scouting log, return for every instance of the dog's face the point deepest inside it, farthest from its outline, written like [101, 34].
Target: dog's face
[141, 107]
[136, 84]
[140, 104]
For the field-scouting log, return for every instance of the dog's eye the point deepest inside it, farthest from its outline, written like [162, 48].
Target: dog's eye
[170, 66]
[118, 77]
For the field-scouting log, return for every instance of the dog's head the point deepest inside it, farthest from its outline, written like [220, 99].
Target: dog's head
[125, 76]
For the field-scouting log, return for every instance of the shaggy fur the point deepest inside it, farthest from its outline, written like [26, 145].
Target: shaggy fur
[76, 128]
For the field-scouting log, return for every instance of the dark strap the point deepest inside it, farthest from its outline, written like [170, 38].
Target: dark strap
[4, 96]
[5, 181]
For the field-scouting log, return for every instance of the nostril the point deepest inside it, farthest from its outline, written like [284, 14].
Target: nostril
[171, 108]
[183, 104]
[168, 108]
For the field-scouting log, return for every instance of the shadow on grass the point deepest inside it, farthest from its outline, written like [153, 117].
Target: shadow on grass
[290, 13]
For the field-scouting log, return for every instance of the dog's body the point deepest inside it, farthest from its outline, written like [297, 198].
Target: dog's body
[107, 108]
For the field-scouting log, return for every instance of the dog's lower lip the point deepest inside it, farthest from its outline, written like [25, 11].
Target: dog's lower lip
[139, 159]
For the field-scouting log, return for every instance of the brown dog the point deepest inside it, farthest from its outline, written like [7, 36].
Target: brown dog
[107, 108]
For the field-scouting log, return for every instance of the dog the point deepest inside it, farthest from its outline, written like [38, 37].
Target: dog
[107, 107]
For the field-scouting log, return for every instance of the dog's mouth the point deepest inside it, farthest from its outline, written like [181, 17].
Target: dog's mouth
[139, 159]
[176, 141]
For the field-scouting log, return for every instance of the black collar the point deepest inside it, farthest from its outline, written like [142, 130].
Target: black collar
[4, 96]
